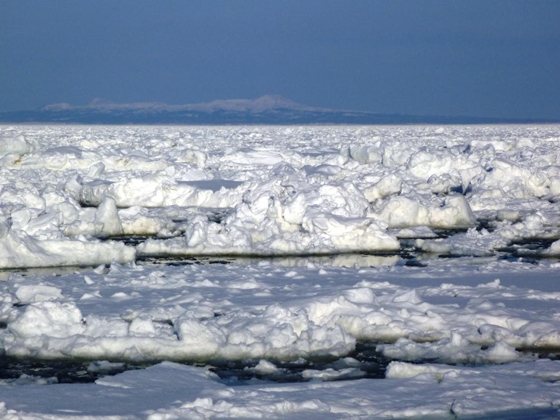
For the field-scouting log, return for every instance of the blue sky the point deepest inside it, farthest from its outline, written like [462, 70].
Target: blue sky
[425, 57]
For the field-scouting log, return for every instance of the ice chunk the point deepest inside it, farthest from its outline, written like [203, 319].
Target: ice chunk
[402, 212]
[455, 349]
[13, 145]
[264, 367]
[553, 249]
[105, 367]
[387, 186]
[365, 154]
[53, 319]
[96, 170]
[333, 375]
[108, 216]
[17, 249]
[29, 293]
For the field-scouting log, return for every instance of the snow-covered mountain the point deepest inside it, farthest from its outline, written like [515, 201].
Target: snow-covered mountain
[263, 103]
[268, 109]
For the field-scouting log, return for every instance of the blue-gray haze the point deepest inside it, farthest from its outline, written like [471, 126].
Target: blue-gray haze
[495, 58]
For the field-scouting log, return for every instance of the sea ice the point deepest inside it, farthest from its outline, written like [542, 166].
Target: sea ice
[435, 249]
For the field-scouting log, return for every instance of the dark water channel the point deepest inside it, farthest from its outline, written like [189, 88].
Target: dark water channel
[364, 362]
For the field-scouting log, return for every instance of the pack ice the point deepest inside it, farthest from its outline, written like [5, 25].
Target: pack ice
[318, 218]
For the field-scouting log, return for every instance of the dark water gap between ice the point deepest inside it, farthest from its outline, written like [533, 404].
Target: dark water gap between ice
[363, 362]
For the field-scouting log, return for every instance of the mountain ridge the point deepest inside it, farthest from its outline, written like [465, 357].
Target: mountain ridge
[267, 109]
[261, 103]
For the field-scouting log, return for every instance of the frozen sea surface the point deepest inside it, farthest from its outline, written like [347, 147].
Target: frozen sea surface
[302, 272]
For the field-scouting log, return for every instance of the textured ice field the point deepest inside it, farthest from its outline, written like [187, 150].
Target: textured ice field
[309, 272]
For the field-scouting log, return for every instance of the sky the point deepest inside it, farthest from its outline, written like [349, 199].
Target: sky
[488, 58]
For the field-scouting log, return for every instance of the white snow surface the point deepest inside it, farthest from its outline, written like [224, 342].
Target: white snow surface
[321, 201]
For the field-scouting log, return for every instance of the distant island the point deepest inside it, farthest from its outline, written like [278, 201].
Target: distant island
[269, 109]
